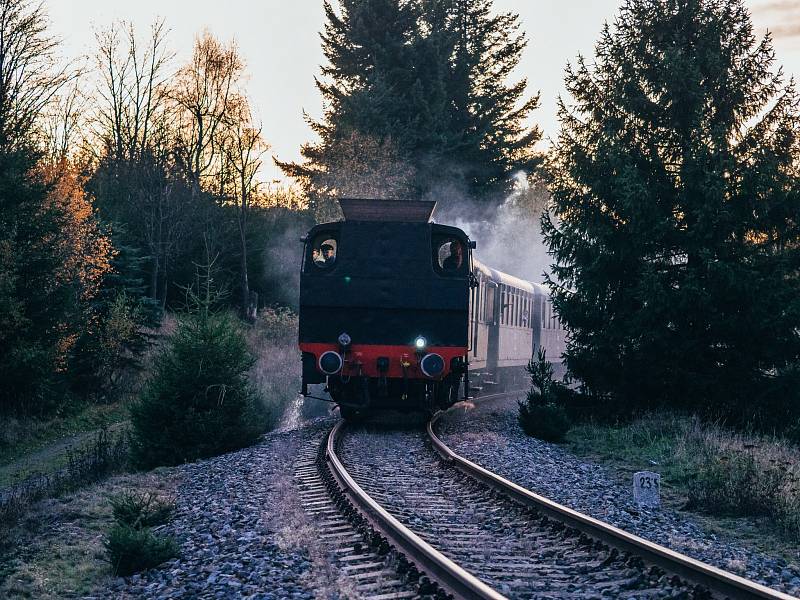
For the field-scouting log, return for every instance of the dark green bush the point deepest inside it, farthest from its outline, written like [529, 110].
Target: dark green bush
[548, 422]
[130, 549]
[543, 414]
[141, 509]
[199, 402]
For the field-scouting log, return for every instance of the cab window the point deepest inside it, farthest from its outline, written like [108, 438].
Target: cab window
[324, 249]
[449, 255]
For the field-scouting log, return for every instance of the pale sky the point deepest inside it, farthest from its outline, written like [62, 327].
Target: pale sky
[279, 40]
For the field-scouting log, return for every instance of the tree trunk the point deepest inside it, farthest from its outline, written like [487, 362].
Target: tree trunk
[154, 279]
[243, 282]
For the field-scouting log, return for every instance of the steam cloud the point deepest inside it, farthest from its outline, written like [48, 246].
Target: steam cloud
[509, 238]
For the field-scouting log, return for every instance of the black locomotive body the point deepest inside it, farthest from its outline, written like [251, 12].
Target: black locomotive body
[396, 313]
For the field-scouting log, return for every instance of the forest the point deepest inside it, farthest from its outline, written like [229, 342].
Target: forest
[149, 270]
[130, 183]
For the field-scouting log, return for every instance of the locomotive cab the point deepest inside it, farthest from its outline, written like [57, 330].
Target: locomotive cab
[384, 307]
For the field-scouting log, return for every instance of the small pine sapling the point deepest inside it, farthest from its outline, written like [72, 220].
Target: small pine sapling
[542, 414]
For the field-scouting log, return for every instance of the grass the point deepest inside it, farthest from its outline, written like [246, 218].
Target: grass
[726, 476]
[34, 447]
[24, 437]
[56, 549]
[104, 454]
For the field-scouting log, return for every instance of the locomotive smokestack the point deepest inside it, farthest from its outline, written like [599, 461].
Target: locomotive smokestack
[404, 211]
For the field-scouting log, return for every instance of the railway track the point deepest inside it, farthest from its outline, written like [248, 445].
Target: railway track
[443, 526]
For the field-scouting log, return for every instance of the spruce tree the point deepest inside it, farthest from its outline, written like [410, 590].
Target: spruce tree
[199, 402]
[487, 111]
[674, 218]
[427, 81]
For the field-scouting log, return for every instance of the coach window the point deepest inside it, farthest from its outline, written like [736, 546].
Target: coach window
[517, 308]
[324, 251]
[488, 302]
[514, 307]
[482, 301]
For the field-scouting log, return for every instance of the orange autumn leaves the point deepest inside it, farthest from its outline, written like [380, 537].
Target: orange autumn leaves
[86, 251]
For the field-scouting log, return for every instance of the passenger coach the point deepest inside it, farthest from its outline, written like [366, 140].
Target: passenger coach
[396, 313]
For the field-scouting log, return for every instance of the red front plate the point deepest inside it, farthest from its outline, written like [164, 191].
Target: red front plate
[363, 359]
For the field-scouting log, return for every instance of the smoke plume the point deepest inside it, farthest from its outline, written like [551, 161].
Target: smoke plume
[508, 236]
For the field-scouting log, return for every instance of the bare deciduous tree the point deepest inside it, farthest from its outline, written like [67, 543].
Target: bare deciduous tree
[30, 73]
[133, 89]
[62, 123]
[204, 93]
[135, 135]
[243, 148]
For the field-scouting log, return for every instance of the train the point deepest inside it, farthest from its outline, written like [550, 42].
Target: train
[396, 312]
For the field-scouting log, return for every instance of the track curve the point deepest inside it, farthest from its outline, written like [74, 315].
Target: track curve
[528, 520]
[720, 582]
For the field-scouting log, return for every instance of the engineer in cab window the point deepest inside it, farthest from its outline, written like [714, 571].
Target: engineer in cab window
[456, 258]
[328, 255]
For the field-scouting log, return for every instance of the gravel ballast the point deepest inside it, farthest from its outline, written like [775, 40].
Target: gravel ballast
[489, 435]
[237, 527]
[518, 552]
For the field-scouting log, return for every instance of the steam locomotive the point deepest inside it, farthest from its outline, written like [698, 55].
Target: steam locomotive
[396, 313]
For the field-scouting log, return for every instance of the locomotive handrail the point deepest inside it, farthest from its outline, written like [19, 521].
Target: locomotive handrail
[455, 579]
[718, 581]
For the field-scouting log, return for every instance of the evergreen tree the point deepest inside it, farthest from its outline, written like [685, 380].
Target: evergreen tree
[425, 80]
[488, 114]
[675, 210]
[199, 402]
[543, 414]
[116, 335]
[26, 264]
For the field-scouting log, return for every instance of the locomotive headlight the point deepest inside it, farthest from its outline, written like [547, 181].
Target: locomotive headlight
[420, 343]
[344, 340]
[432, 365]
[330, 362]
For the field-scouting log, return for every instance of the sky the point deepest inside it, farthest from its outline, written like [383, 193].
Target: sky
[279, 40]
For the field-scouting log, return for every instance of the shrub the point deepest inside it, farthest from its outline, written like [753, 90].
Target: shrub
[141, 509]
[199, 402]
[735, 485]
[548, 422]
[543, 414]
[131, 549]
[110, 346]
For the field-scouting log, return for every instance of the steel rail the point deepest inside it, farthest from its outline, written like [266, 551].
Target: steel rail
[719, 582]
[444, 571]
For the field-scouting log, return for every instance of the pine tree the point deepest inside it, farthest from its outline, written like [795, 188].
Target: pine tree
[424, 80]
[674, 224]
[199, 402]
[543, 413]
[489, 112]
